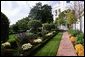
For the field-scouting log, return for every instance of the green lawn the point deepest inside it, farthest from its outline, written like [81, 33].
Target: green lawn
[51, 48]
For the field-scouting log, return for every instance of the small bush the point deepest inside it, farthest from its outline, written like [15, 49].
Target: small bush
[34, 25]
[26, 46]
[46, 26]
[12, 40]
[79, 49]
[80, 38]
[6, 45]
[37, 40]
[31, 35]
[49, 27]
[74, 32]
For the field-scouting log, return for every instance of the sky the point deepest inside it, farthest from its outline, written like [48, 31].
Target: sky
[16, 10]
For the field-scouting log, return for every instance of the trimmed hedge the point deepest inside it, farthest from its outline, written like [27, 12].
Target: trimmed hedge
[4, 27]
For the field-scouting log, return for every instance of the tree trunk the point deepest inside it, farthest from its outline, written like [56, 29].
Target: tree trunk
[80, 24]
[68, 26]
[75, 25]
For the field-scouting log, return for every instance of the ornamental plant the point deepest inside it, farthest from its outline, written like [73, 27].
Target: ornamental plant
[33, 25]
[49, 34]
[26, 46]
[37, 40]
[79, 49]
[6, 44]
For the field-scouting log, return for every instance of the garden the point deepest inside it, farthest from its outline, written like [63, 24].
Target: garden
[38, 34]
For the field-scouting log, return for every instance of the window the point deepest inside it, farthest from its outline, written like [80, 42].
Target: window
[67, 1]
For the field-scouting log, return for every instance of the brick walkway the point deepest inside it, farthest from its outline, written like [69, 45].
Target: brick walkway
[66, 48]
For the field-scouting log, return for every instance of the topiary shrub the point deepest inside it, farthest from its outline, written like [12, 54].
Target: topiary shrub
[33, 25]
[4, 27]
[49, 27]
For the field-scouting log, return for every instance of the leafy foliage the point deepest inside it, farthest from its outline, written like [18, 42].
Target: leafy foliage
[74, 32]
[42, 13]
[80, 38]
[12, 39]
[66, 17]
[48, 27]
[31, 35]
[33, 25]
[20, 26]
[4, 27]
[79, 35]
[70, 17]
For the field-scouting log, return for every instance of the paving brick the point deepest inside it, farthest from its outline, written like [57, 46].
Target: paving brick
[66, 47]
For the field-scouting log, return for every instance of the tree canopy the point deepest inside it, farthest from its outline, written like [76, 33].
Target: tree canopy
[42, 13]
[66, 17]
[21, 25]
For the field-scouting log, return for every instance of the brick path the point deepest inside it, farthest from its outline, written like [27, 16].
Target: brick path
[66, 48]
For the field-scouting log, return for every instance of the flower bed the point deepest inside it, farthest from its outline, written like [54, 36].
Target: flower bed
[29, 47]
[38, 46]
[77, 38]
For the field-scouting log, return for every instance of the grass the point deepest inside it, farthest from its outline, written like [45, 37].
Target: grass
[51, 48]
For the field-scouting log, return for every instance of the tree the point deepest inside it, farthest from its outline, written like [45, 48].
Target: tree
[15, 28]
[42, 13]
[4, 27]
[35, 12]
[78, 7]
[70, 18]
[33, 25]
[47, 14]
[66, 17]
[60, 20]
[22, 24]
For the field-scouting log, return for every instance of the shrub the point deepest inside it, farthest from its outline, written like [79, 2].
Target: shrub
[79, 49]
[22, 24]
[73, 39]
[12, 40]
[46, 26]
[49, 34]
[74, 32]
[52, 26]
[37, 40]
[31, 35]
[26, 46]
[21, 38]
[4, 27]
[6, 45]
[49, 27]
[80, 38]
[34, 25]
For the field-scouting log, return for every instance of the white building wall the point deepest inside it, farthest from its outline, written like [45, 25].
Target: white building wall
[78, 24]
[63, 6]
